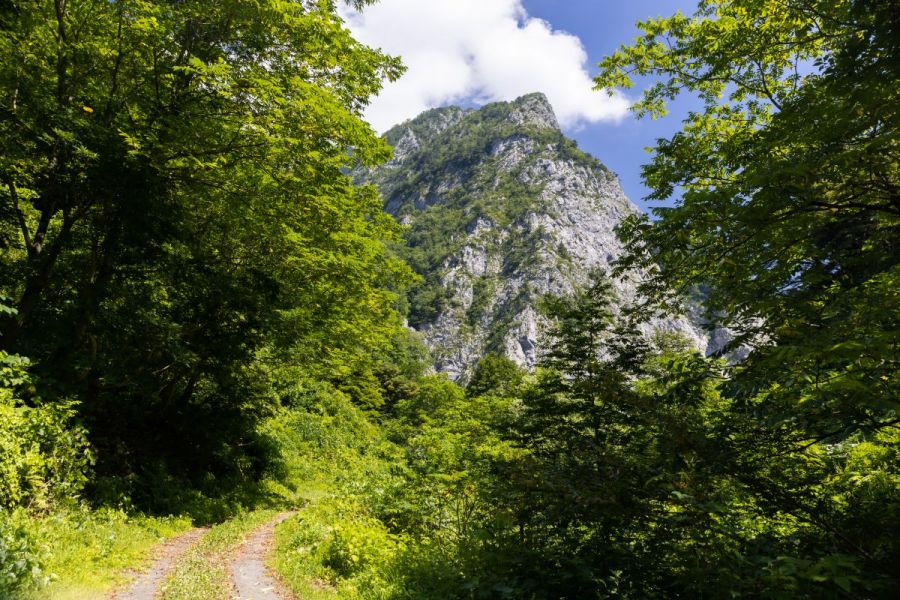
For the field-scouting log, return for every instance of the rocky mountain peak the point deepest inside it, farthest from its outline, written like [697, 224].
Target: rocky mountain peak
[534, 109]
[501, 209]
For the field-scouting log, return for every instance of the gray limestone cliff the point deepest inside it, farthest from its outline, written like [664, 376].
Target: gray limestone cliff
[501, 209]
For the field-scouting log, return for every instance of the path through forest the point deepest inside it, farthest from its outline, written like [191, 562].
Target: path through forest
[145, 584]
[249, 572]
[250, 576]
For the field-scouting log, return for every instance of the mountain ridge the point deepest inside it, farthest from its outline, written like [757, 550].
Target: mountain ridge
[501, 208]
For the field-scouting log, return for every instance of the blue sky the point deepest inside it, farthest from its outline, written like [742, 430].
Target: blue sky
[471, 52]
[602, 26]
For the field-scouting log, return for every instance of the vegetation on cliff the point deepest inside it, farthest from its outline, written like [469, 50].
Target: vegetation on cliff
[202, 315]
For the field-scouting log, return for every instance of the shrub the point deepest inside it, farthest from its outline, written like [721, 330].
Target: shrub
[19, 563]
[358, 545]
[43, 454]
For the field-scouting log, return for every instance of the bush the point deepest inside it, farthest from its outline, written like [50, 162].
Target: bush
[336, 543]
[357, 545]
[43, 454]
[43, 459]
[19, 563]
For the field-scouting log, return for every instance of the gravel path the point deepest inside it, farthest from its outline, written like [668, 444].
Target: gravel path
[145, 584]
[252, 580]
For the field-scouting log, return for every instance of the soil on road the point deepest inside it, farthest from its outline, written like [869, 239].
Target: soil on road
[251, 576]
[145, 584]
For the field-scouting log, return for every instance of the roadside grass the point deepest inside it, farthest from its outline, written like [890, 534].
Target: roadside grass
[203, 573]
[86, 554]
[295, 563]
[335, 461]
[334, 548]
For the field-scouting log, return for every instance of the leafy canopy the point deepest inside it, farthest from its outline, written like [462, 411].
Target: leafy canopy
[177, 225]
[782, 196]
[780, 200]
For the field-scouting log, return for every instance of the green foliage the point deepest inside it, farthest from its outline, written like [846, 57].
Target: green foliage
[402, 363]
[178, 225]
[324, 440]
[20, 565]
[357, 544]
[435, 394]
[400, 516]
[482, 292]
[44, 456]
[495, 375]
[336, 548]
[783, 208]
[339, 464]
[790, 225]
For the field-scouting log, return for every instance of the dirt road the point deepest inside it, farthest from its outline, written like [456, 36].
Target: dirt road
[145, 584]
[252, 578]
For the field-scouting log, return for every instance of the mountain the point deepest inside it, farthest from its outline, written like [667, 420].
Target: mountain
[501, 209]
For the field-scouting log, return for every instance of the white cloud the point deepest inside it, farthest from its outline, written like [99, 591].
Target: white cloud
[478, 51]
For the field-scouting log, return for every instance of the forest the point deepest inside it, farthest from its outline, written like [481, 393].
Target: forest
[203, 322]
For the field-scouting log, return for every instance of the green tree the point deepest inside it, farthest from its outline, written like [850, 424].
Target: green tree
[495, 375]
[177, 220]
[581, 423]
[781, 199]
[582, 368]
[451, 501]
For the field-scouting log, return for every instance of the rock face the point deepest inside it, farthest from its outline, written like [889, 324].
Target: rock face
[502, 209]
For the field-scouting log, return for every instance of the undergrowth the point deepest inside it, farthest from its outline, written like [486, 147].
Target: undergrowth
[81, 554]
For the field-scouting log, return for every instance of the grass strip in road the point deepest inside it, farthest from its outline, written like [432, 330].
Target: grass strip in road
[203, 573]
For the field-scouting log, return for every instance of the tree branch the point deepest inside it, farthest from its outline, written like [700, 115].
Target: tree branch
[23, 225]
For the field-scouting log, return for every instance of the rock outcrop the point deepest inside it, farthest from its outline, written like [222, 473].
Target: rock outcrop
[502, 209]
